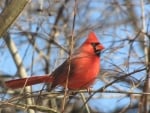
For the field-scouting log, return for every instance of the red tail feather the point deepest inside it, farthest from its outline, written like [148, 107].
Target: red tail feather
[20, 83]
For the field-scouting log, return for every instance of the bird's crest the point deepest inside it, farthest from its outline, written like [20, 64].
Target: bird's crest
[91, 38]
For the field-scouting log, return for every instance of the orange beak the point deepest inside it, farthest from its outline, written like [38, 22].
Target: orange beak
[100, 47]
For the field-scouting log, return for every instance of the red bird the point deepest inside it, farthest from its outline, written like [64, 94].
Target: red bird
[80, 70]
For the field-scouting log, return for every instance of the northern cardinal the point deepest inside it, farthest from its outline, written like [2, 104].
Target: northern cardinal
[80, 70]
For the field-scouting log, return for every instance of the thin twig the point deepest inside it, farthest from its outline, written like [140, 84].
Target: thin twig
[143, 105]
[71, 50]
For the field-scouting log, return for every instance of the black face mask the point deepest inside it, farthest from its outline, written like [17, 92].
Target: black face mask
[97, 51]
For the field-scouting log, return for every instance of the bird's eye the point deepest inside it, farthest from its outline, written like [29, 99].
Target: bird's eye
[95, 44]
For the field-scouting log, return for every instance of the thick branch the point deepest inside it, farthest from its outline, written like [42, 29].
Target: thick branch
[10, 13]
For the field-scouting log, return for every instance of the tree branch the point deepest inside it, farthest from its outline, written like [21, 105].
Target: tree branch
[10, 13]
